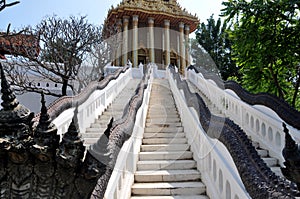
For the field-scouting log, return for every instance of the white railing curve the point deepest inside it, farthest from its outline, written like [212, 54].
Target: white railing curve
[122, 178]
[218, 171]
[261, 123]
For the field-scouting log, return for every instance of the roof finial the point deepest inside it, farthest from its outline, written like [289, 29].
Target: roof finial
[71, 149]
[9, 101]
[73, 131]
[44, 118]
[45, 125]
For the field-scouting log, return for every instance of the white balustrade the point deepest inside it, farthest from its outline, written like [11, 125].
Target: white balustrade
[122, 178]
[94, 106]
[218, 171]
[261, 123]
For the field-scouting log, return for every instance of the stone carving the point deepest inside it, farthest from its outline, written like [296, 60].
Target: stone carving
[259, 180]
[120, 131]
[33, 161]
[291, 154]
[284, 110]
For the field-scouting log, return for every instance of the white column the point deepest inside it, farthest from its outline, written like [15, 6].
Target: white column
[182, 48]
[167, 42]
[135, 19]
[187, 46]
[151, 38]
[125, 40]
[119, 44]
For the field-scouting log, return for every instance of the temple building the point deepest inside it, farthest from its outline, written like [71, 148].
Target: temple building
[150, 31]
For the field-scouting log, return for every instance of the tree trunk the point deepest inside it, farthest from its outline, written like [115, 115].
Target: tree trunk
[64, 87]
[296, 89]
[276, 82]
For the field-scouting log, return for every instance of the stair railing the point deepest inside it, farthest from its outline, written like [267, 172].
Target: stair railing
[125, 144]
[92, 101]
[259, 121]
[229, 164]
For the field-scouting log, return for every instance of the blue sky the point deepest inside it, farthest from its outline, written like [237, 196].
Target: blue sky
[31, 12]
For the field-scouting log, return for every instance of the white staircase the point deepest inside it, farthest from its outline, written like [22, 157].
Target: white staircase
[115, 110]
[166, 168]
[270, 161]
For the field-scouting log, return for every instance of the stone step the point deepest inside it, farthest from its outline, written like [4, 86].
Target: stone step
[164, 141]
[162, 120]
[166, 104]
[166, 100]
[262, 152]
[271, 162]
[165, 147]
[91, 135]
[255, 144]
[163, 129]
[116, 107]
[277, 171]
[101, 122]
[112, 113]
[176, 124]
[97, 125]
[95, 130]
[162, 116]
[158, 106]
[164, 135]
[162, 111]
[108, 117]
[159, 93]
[167, 175]
[166, 164]
[89, 141]
[172, 188]
[167, 155]
[171, 197]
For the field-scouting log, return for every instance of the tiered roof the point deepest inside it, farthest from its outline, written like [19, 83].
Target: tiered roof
[157, 9]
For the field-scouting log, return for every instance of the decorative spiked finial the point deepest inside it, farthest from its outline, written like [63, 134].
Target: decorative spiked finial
[46, 132]
[9, 101]
[71, 149]
[12, 112]
[45, 121]
[73, 130]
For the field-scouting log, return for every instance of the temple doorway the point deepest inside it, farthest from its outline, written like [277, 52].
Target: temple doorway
[174, 58]
[142, 56]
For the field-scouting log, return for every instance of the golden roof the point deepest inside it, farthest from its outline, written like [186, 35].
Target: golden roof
[157, 9]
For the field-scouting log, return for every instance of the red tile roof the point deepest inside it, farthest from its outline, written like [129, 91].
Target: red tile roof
[19, 44]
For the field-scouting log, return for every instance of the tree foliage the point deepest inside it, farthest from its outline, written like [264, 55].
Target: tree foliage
[64, 44]
[202, 58]
[213, 37]
[266, 39]
[93, 66]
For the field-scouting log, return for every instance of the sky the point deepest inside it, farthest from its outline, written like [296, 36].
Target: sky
[31, 12]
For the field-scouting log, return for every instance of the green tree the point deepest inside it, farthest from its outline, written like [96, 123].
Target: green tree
[201, 58]
[266, 40]
[213, 37]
